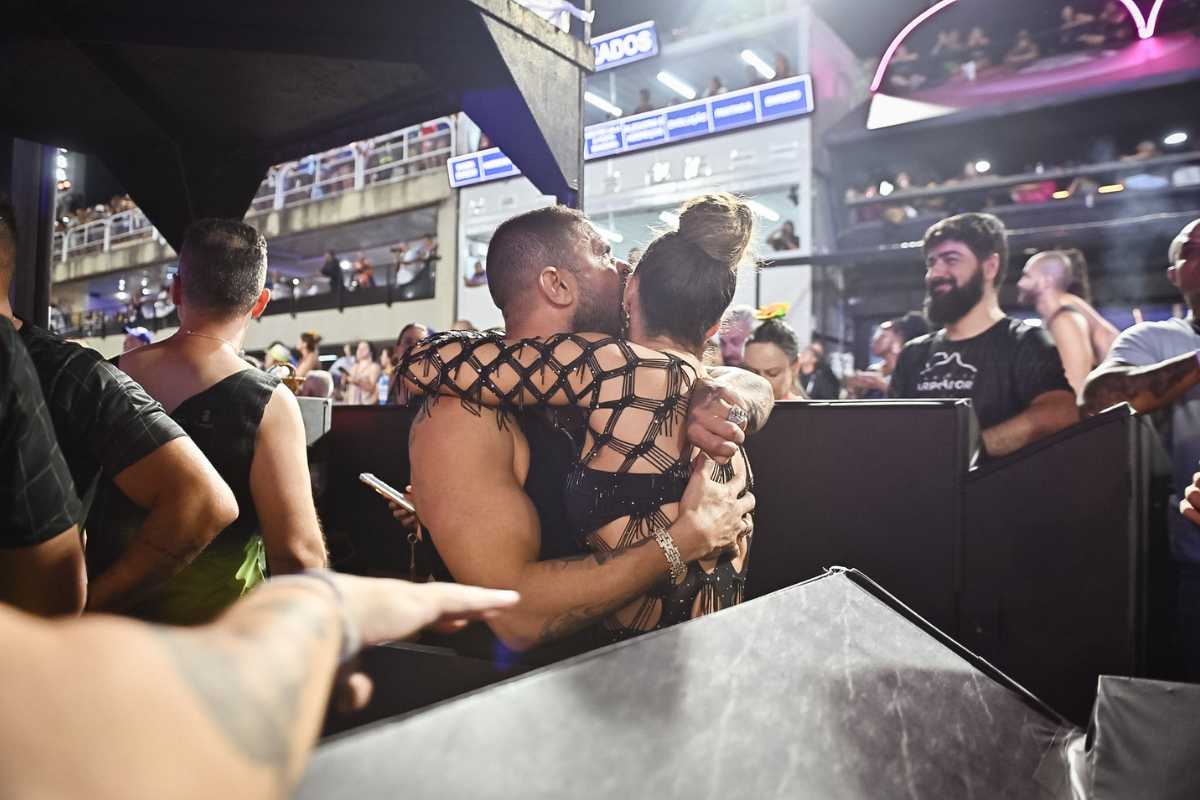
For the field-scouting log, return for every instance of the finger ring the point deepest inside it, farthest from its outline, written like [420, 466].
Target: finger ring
[738, 416]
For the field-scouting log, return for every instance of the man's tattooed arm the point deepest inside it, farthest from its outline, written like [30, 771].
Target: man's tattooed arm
[753, 393]
[578, 617]
[1147, 389]
[263, 677]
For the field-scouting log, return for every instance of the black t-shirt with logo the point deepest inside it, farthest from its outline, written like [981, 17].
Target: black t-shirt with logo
[1001, 370]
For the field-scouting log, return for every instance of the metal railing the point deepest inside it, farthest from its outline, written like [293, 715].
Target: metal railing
[393, 157]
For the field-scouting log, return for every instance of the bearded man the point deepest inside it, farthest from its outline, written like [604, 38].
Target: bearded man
[1011, 371]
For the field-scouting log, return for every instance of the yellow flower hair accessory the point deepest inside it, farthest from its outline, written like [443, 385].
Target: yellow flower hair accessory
[772, 311]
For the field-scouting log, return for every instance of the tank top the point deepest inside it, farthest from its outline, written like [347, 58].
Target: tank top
[1068, 308]
[223, 421]
[551, 454]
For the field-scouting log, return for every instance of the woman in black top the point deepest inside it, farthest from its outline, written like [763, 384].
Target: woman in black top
[634, 460]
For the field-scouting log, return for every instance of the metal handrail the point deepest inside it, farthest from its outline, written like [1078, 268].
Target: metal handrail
[384, 159]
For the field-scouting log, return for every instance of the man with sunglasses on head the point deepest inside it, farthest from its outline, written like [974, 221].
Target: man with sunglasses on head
[1155, 366]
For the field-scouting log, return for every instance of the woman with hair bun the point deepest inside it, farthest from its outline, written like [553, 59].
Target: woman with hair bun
[309, 348]
[773, 352]
[635, 460]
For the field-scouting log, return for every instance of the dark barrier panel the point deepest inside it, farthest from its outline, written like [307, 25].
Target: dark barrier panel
[362, 535]
[826, 689]
[1055, 555]
[872, 485]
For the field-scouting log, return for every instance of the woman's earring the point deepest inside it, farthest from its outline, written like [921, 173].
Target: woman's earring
[624, 320]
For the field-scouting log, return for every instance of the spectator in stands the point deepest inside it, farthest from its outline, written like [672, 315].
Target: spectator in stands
[644, 103]
[309, 348]
[243, 419]
[635, 255]
[463, 325]
[1115, 24]
[784, 237]
[277, 355]
[817, 377]
[317, 383]
[735, 330]
[979, 53]
[1155, 366]
[886, 345]
[773, 352]
[478, 276]
[715, 87]
[41, 557]
[782, 68]
[753, 78]
[949, 51]
[362, 384]
[331, 268]
[1083, 337]
[1079, 29]
[116, 439]
[410, 334]
[135, 337]
[904, 72]
[1024, 51]
[364, 271]
[1010, 370]
[341, 371]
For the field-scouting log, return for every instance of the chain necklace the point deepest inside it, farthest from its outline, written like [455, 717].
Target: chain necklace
[210, 336]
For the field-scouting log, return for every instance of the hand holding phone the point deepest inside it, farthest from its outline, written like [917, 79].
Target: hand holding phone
[388, 492]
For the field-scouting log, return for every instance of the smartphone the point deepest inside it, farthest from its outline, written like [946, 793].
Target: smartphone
[387, 492]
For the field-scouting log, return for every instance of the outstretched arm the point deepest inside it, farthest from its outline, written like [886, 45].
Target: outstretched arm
[235, 705]
[1146, 388]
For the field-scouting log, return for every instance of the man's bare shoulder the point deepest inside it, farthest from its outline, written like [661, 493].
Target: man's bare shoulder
[447, 434]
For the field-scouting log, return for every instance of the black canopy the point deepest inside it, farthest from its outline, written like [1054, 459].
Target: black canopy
[189, 103]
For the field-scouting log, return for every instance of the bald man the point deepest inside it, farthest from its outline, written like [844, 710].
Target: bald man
[1083, 336]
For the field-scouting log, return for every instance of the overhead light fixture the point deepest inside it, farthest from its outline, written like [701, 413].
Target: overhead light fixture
[1172, 139]
[609, 236]
[602, 104]
[760, 66]
[886, 188]
[676, 85]
[982, 166]
[1061, 194]
[766, 213]
[1112, 187]
[670, 218]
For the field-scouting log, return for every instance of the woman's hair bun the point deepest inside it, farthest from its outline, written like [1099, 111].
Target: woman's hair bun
[720, 224]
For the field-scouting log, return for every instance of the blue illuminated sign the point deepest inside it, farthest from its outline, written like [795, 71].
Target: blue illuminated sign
[790, 97]
[625, 46]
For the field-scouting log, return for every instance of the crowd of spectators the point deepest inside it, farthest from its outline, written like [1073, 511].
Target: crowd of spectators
[647, 101]
[1124, 170]
[976, 53]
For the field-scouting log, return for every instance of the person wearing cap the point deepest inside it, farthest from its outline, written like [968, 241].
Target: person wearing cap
[113, 434]
[135, 337]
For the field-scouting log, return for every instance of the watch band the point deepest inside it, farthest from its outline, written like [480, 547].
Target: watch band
[676, 568]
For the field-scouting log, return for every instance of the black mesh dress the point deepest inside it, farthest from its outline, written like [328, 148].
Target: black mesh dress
[633, 461]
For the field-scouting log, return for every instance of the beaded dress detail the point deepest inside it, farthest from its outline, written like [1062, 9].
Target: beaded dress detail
[630, 464]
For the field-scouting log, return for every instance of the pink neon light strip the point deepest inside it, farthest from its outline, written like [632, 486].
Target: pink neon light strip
[1145, 28]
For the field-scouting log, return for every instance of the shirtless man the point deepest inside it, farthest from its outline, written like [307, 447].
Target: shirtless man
[503, 523]
[1082, 335]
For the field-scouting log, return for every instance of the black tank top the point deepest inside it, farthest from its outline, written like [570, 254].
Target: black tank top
[551, 455]
[223, 421]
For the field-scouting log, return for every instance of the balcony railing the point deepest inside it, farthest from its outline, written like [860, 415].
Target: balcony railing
[393, 157]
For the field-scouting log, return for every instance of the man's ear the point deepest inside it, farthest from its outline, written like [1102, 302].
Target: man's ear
[260, 305]
[558, 286]
[991, 268]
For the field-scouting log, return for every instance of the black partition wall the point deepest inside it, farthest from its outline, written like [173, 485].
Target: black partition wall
[1042, 561]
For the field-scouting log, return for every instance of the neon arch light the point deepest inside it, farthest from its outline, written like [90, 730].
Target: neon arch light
[1146, 26]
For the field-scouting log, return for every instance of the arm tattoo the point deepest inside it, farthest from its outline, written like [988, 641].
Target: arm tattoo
[579, 617]
[1157, 384]
[251, 675]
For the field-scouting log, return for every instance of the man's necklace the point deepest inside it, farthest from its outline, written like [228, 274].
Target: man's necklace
[210, 336]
